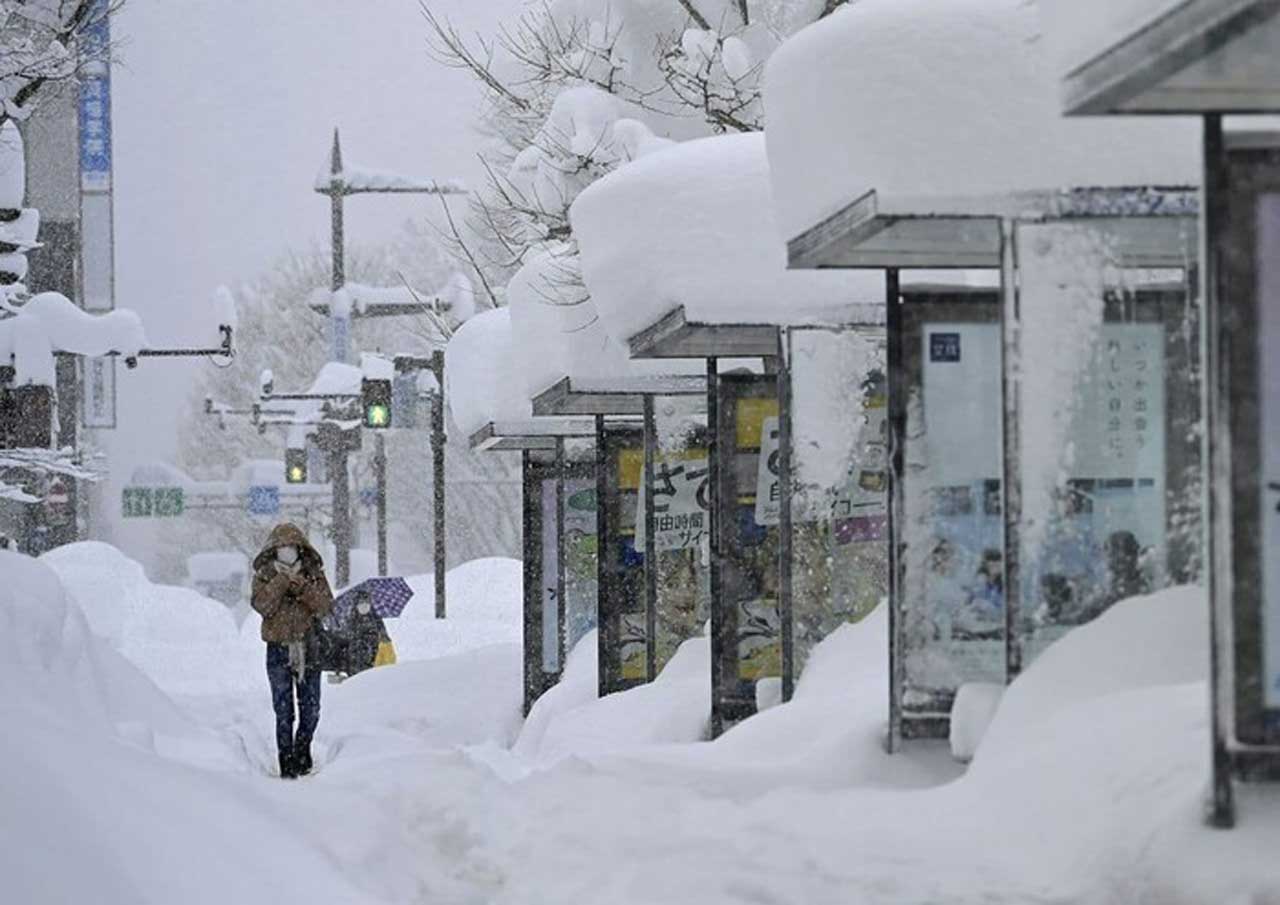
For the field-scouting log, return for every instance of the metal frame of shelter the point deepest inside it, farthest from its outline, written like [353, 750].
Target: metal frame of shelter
[544, 467]
[1146, 227]
[626, 603]
[737, 584]
[1210, 58]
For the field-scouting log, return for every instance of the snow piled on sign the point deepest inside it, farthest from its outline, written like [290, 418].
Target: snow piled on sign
[693, 225]
[926, 98]
[482, 377]
[49, 322]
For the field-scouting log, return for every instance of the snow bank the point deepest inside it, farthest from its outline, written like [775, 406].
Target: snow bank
[927, 98]
[1159, 639]
[675, 707]
[437, 701]
[484, 607]
[184, 642]
[91, 812]
[482, 378]
[579, 685]
[693, 225]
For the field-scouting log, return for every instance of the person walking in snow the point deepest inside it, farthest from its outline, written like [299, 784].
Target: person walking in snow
[291, 594]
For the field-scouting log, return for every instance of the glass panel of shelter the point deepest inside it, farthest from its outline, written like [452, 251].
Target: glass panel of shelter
[835, 449]
[677, 506]
[746, 638]
[542, 653]
[624, 640]
[948, 609]
[579, 570]
[1249, 377]
[1109, 430]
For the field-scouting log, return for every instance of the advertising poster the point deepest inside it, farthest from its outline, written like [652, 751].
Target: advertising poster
[953, 619]
[751, 575]
[681, 502]
[580, 551]
[550, 578]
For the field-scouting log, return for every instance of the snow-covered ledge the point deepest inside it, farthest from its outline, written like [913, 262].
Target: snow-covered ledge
[896, 102]
[692, 229]
[49, 322]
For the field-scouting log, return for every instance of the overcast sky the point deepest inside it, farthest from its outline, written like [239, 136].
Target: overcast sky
[223, 114]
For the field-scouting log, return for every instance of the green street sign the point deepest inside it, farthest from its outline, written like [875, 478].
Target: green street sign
[137, 502]
[160, 502]
[170, 502]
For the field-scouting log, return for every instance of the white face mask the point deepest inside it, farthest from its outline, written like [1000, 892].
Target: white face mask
[363, 608]
[287, 555]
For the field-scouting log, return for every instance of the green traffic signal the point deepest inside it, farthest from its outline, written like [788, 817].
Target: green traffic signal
[295, 466]
[377, 415]
[375, 395]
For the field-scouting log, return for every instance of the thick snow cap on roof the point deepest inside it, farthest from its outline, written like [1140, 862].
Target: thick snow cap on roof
[1079, 30]
[482, 379]
[693, 225]
[558, 330]
[943, 98]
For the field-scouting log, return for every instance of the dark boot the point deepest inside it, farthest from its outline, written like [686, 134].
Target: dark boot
[289, 764]
[302, 759]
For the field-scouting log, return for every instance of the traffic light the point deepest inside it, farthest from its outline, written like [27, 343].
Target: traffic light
[295, 466]
[375, 396]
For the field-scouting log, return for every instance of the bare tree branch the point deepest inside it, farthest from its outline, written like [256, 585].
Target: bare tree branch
[695, 15]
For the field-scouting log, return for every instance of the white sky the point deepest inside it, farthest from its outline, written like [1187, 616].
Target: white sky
[223, 114]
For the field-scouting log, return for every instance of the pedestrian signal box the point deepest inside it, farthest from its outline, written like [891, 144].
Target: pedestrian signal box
[375, 395]
[295, 466]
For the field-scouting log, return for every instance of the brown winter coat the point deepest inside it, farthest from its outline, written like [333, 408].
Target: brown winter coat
[289, 605]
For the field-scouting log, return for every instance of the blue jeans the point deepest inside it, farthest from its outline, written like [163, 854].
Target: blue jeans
[283, 685]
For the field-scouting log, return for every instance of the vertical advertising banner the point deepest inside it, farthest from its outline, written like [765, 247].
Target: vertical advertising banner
[622, 574]
[1267, 256]
[97, 249]
[550, 577]
[580, 552]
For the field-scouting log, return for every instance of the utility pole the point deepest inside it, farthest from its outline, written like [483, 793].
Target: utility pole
[380, 478]
[338, 188]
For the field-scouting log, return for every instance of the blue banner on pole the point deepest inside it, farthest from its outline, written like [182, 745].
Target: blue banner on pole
[264, 500]
[95, 102]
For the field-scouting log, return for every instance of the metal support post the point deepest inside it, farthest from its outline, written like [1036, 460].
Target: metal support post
[1221, 805]
[340, 482]
[338, 324]
[438, 440]
[713, 523]
[650, 540]
[380, 479]
[897, 393]
[1011, 429]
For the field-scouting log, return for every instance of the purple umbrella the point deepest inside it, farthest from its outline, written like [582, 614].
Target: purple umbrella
[387, 597]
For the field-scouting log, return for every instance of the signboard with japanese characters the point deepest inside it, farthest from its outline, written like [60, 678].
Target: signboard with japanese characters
[550, 574]
[99, 400]
[681, 502]
[149, 502]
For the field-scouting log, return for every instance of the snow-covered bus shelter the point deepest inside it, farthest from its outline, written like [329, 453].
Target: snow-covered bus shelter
[489, 401]
[1214, 59]
[1042, 429]
[711, 286]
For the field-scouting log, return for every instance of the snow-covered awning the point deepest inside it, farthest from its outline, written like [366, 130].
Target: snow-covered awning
[530, 434]
[612, 396]
[909, 128]
[692, 228]
[1166, 56]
